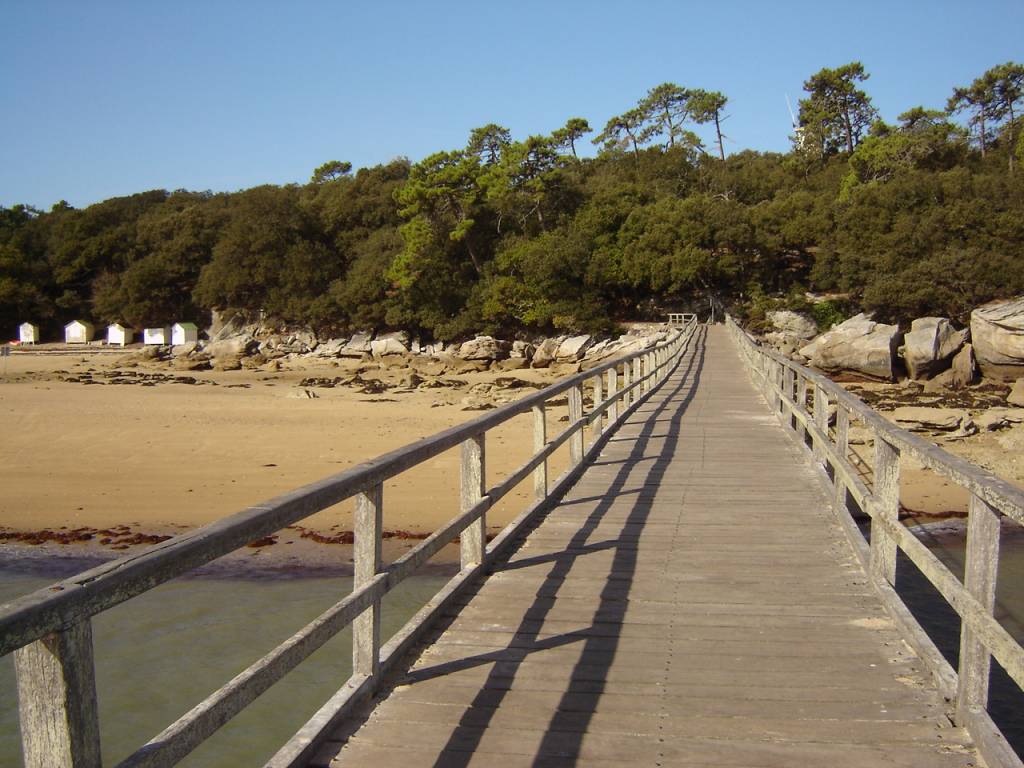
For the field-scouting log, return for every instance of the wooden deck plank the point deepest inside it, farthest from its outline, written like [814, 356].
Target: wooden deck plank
[691, 602]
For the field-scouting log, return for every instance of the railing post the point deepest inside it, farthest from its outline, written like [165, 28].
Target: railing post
[57, 700]
[980, 572]
[473, 539]
[842, 451]
[540, 441]
[369, 527]
[575, 414]
[800, 399]
[788, 394]
[821, 422]
[625, 385]
[886, 504]
[636, 377]
[613, 400]
[597, 423]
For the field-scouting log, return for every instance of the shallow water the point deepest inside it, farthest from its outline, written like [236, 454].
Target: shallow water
[161, 653]
[940, 621]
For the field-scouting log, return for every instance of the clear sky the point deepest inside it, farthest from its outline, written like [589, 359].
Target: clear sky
[100, 99]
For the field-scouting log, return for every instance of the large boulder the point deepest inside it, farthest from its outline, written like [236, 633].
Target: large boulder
[331, 348]
[997, 332]
[396, 343]
[573, 349]
[358, 345]
[231, 348]
[545, 353]
[523, 349]
[960, 374]
[930, 346]
[793, 324]
[482, 348]
[859, 345]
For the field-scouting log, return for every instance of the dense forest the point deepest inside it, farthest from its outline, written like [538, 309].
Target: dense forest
[506, 236]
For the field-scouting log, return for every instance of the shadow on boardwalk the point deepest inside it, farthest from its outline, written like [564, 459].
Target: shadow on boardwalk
[570, 719]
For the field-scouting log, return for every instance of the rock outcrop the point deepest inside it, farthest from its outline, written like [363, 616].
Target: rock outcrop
[390, 344]
[358, 345]
[483, 348]
[573, 349]
[793, 324]
[859, 345]
[954, 423]
[545, 353]
[961, 373]
[930, 346]
[997, 332]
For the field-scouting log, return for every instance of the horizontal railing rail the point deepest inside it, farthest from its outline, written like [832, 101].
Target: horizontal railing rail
[789, 388]
[50, 630]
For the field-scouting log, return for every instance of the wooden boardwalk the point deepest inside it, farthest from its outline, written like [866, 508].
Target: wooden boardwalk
[691, 602]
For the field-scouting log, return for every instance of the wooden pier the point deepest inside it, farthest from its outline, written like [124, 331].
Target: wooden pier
[692, 601]
[693, 590]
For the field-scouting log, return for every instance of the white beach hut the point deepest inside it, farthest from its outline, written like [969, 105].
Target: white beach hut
[28, 333]
[156, 336]
[119, 335]
[78, 332]
[184, 333]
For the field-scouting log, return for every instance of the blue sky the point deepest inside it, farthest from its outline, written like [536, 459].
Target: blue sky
[101, 99]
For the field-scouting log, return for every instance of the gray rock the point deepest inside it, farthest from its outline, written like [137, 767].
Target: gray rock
[481, 348]
[331, 348]
[358, 345]
[784, 342]
[182, 350]
[1016, 396]
[793, 324]
[997, 332]
[930, 346]
[433, 350]
[306, 340]
[396, 343]
[232, 347]
[859, 345]
[522, 349]
[545, 354]
[573, 348]
[221, 329]
[921, 419]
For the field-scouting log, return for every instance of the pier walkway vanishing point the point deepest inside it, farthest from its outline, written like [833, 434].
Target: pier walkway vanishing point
[692, 601]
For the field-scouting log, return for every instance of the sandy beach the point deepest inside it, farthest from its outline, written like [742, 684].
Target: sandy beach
[127, 451]
[105, 452]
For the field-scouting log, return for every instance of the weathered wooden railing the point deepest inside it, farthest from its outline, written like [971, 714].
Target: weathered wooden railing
[786, 386]
[50, 631]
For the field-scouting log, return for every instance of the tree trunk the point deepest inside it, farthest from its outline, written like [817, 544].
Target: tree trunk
[718, 131]
[849, 129]
[1012, 132]
[981, 123]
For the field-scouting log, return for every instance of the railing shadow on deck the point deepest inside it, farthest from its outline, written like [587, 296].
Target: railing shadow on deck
[565, 732]
[802, 399]
[50, 631]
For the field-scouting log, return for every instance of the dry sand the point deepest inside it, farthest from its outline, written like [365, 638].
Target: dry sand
[171, 456]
